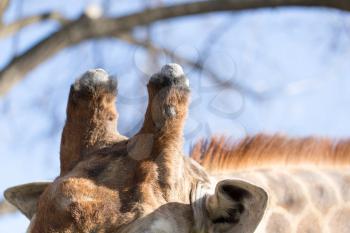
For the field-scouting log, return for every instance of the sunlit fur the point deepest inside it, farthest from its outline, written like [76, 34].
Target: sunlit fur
[220, 154]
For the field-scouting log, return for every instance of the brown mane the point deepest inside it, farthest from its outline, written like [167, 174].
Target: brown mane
[220, 154]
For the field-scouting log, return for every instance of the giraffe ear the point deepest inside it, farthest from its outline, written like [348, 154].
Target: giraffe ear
[236, 207]
[25, 197]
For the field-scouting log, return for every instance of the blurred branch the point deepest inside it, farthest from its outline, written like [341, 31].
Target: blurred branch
[229, 84]
[86, 28]
[6, 208]
[153, 62]
[3, 6]
[7, 30]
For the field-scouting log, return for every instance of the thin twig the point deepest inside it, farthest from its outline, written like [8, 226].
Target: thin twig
[7, 30]
[3, 6]
[197, 65]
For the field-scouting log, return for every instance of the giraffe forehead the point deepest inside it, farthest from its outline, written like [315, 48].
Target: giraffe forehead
[76, 200]
[67, 192]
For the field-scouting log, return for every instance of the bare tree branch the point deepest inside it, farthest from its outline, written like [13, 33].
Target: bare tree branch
[86, 28]
[6, 208]
[14, 27]
[3, 6]
[229, 84]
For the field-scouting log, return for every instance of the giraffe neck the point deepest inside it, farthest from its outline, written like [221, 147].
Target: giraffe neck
[302, 200]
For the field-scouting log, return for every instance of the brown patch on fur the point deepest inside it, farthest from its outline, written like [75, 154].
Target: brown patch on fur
[340, 221]
[289, 194]
[343, 183]
[219, 154]
[321, 196]
[278, 224]
[309, 224]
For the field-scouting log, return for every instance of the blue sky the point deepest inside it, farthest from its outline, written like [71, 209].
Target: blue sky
[296, 59]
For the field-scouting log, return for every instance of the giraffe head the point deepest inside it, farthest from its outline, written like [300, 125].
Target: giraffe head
[109, 183]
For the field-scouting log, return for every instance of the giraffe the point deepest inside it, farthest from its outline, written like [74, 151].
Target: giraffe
[111, 183]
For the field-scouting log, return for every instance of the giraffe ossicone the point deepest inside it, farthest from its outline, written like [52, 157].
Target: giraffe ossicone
[172, 70]
[111, 183]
